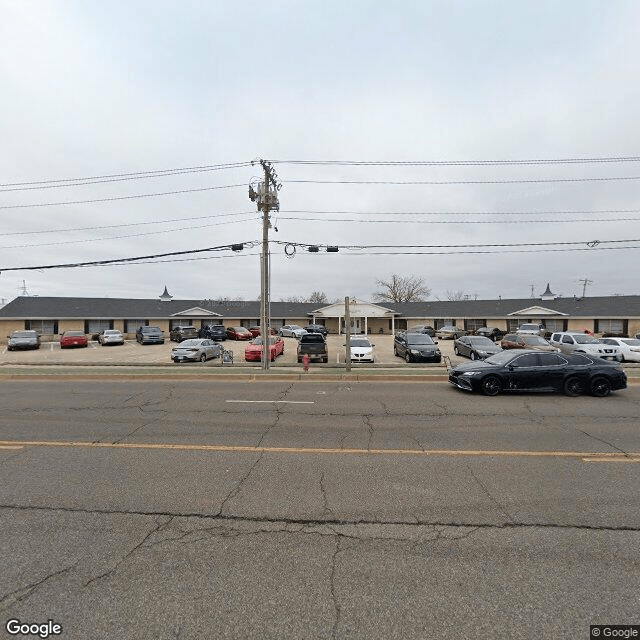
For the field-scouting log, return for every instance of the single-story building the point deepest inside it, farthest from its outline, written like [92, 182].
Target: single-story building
[51, 316]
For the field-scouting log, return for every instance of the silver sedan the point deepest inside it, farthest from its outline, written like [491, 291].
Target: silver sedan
[110, 336]
[196, 349]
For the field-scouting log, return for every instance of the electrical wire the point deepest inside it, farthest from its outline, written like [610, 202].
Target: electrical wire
[250, 244]
[132, 235]
[441, 182]
[455, 163]
[591, 243]
[116, 177]
[459, 221]
[116, 198]
[461, 213]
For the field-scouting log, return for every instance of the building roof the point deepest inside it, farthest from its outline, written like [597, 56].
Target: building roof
[127, 308]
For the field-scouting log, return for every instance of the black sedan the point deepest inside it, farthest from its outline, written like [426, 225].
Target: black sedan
[416, 347]
[494, 333]
[528, 370]
[317, 328]
[475, 347]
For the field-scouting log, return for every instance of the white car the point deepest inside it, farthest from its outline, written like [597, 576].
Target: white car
[629, 348]
[574, 342]
[361, 350]
[110, 336]
[292, 331]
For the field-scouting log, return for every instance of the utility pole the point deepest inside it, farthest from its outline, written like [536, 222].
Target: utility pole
[532, 288]
[585, 282]
[266, 198]
[347, 333]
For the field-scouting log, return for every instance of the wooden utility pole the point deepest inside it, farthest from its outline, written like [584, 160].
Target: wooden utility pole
[347, 332]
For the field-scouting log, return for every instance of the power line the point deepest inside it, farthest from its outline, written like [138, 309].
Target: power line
[454, 163]
[116, 177]
[132, 235]
[126, 224]
[115, 198]
[70, 265]
[459, 221]
[463, 213]
[440, 182]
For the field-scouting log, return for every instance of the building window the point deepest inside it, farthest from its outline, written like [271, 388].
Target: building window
[131, 326]
[96, 326]
[473, 324]
[441, 322]
[513, 324]
[555, 325]
[614, 327]
[43, 327]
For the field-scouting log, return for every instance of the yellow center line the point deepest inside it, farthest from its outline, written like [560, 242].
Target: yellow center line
[11, 447]
[596, 456]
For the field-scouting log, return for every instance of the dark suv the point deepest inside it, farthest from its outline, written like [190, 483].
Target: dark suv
[150, 335]
[317, 328]
[215, 332]
[416, 347]
[178, 334]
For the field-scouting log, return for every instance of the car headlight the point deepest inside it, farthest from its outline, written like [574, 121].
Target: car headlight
[482, 353]
[469, 373]
[415, 352]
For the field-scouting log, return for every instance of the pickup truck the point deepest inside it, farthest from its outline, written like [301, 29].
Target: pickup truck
[313, 345]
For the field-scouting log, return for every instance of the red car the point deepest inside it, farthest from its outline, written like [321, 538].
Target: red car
[255, 331]
[253, 352]
[238, 333]
[73, 339]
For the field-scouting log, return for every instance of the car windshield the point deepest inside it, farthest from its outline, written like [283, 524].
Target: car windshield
[295, 326]
[534, 340]
[73, 333]
[582, 338]
[259, 341]
[111, 332]
[503, 357]
[240, 330]
[419, 338]
[448, 327]
[360, 342]
[312, 337]
[632, 342]
[189, 343]
[23, 334]
[479, 341]
[529, 327]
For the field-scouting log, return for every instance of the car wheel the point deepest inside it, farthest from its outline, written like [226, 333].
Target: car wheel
[600, 387]
[203, 357]
[407, 357]
[455, 350]
[473, 355]
[395, 351]
[573, 386]
[491, 386]
[620, 358]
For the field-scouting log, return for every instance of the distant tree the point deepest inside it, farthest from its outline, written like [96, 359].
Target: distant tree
[455, 296]
[402, 289]
[319, 297]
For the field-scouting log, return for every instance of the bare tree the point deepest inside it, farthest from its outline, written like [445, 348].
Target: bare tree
[319, 297]
[402, 289]
[455, 296]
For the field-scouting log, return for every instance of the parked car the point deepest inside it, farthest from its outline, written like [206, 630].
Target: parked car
[194, 350]
[538, 371]
[493, 333]
[253, 352]
[179, 334]
[317, 328]
[292, 331]
[255, 331]
[517, 341]
[150, 335]
[416, 347]
[238, 333]
[532, 329]
[575, 342]
[361, 350]
[475, 347]
[73, 339]
[215, 332]
[23, 340]
[629, 348]
[423, 328]
[449, 332]
[638, 335]
[314, 345]
[110, 336]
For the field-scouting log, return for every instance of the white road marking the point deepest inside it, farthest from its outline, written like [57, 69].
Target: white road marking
[10, 447]
[276, 401]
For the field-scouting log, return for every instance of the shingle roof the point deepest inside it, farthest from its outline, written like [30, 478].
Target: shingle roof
[127, 308]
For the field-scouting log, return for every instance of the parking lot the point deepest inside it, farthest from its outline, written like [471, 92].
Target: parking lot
[133, 353]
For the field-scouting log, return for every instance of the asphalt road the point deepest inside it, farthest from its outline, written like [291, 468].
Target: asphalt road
[187, 509]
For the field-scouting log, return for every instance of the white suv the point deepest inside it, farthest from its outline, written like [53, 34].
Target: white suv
[576, 342]
[531, 329]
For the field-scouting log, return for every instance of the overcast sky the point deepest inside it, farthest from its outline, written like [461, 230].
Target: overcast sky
[100, 88]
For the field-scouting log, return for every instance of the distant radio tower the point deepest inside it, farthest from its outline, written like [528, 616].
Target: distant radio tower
[24, 291]
[532, 288]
